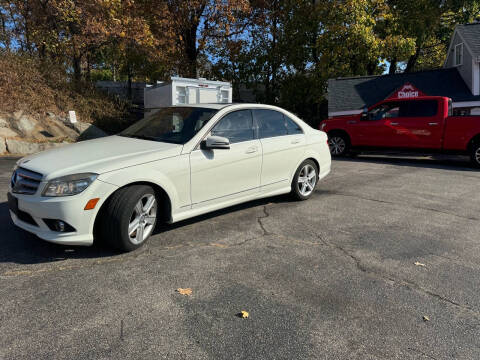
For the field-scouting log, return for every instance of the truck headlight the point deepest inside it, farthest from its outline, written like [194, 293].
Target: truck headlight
[69, 185]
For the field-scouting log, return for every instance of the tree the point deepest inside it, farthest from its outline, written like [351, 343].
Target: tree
[431, 23]
[195, 22]
[350, 42]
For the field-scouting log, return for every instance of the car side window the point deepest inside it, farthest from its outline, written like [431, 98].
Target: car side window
[292, 127]
[236, 126]
[270, 123]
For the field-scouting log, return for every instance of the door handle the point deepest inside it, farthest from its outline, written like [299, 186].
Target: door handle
[351, 122]
[433, 123]
[394, 123]
[296, 141]
[251, 150]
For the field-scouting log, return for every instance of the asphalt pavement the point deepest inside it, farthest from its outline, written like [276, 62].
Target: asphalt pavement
[381, 263]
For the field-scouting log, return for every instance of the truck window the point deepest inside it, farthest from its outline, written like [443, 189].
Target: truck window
[419, 108]
[450, 107]
[384, 111]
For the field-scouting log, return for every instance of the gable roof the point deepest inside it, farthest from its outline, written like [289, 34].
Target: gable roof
[354, 93]
[470, 33]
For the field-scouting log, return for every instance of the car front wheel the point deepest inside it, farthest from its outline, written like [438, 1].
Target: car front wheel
[130, 217]
[305, 180]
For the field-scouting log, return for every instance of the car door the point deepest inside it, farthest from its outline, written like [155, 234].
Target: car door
[379, 127]
[283, 145]
[219, 174]
[420, 124]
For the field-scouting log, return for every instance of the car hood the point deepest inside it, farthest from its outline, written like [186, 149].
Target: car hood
[98, 156]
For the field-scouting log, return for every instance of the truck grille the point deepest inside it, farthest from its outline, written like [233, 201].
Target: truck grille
[25, 181]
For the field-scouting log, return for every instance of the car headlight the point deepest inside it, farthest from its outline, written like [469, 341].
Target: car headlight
[323, 125]
[69, 185]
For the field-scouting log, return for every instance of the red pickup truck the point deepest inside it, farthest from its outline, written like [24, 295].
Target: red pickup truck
[423, 124]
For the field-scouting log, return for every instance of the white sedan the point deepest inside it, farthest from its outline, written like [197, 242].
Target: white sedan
[176, 163]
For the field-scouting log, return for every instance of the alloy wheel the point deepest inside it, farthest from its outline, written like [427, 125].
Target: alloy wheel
[143, 219]
[337, 145]
[307, 180]
[477, 155]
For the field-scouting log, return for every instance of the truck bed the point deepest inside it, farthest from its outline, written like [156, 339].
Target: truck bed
[459, 130]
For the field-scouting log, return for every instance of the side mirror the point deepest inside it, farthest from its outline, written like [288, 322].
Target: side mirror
[215, 142]
[365, 113]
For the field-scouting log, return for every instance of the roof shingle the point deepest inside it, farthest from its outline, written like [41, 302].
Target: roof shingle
[471, 35]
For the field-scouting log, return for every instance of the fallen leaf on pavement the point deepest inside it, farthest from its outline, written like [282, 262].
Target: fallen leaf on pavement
[420, 264]
[243, 314]
[219, 245]
[426, 318]
[186, 292]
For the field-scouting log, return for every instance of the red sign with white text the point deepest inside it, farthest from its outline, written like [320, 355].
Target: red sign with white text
[407, 91]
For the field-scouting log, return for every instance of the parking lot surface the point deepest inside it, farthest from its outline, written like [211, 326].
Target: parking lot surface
[382, 263]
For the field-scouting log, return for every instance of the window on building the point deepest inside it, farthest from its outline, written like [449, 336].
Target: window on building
[181, 95]
[224, 96]
[459, 54]
[461, 111]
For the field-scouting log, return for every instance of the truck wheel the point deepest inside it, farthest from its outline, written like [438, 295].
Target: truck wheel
[130, 217]
[475, 154]
[339, 144]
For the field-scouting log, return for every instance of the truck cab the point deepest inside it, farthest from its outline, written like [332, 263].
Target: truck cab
[424, 124]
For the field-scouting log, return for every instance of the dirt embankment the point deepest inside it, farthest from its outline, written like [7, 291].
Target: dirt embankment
[35, 99]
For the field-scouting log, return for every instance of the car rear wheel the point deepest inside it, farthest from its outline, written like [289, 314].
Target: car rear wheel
[475, 154]
[305, 180]
[130, 217]
[339, 144]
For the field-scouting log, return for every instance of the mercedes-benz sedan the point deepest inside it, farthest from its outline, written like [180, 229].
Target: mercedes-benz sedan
[176, 163]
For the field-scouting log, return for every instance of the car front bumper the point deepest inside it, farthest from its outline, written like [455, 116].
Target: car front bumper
[32, 210]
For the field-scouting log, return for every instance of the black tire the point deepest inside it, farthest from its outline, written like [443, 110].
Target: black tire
[339, 144]
[475, 154]
[296, 192]
[120, 212]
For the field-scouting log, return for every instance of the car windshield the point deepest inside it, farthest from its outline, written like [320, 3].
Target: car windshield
[175, 125]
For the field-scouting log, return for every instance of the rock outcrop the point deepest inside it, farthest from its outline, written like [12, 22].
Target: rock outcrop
[22, 134]
[3, 146]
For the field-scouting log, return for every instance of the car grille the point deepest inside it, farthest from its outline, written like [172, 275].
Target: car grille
[25, 181]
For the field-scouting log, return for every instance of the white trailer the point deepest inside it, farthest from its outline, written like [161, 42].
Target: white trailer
[184, 91]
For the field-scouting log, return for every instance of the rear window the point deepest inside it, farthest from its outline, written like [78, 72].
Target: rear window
[419, 108]
[292, 126]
